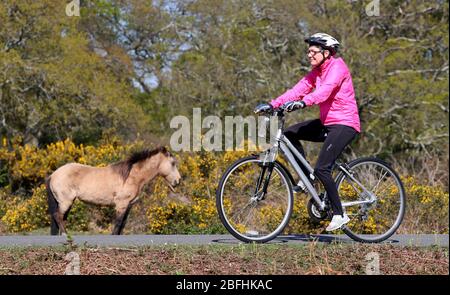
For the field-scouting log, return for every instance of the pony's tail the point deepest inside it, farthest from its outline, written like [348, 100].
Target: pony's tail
[52, 208]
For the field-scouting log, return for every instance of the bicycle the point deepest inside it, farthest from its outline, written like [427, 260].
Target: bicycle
[255, 195]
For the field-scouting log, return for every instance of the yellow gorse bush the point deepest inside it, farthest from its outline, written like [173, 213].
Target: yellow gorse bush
[425, 194]
[30, 214]
[33, 164]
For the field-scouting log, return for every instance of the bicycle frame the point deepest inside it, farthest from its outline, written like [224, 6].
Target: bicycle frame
[290, 153]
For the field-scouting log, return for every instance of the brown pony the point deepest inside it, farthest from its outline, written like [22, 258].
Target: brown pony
[118, 184]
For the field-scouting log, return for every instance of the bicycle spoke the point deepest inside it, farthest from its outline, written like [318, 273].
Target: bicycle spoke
[241, 210]
[379, 193]
[279, 196]
[378, 183]
[272, 178]
[248, 216]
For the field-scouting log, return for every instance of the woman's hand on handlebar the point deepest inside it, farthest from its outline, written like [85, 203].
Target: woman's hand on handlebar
[267, 108]
[264, 108]
[293, 105]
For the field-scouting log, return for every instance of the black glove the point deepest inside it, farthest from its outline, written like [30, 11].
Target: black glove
[263, 108]
[294, 105]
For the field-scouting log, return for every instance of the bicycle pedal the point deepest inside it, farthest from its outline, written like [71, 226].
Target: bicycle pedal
[297, 189]
[300, 187]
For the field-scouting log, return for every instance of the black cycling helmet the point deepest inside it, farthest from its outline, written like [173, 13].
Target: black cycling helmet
[325, 41]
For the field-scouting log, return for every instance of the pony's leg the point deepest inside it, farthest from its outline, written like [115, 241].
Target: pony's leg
[61, 216]
[54, 227]
[67, 213]
[124, 220]
[120, 214]
[52, 208]
[58, 216]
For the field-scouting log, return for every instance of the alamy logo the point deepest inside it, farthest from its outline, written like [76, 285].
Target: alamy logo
[73, 8]
[73, 267]
[232, 134]
[373, 265]
[373, 8]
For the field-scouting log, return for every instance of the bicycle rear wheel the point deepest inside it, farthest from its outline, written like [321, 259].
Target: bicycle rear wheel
[377, 221]
[246, 213]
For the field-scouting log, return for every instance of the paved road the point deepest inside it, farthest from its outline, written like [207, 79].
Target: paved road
[140, 240]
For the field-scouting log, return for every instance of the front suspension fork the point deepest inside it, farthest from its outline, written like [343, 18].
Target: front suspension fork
[263, 179]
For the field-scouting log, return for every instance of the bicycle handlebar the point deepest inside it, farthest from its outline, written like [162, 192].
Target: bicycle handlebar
[268, 109]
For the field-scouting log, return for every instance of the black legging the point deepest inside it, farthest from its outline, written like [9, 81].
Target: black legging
[335, 139]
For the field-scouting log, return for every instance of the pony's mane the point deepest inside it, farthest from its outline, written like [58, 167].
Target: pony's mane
[124, 167]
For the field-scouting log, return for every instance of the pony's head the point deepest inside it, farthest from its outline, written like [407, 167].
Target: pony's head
[168, 168]
[166, 165]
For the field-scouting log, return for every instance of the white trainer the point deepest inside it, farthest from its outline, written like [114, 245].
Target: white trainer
[337, 222]
[301, 185]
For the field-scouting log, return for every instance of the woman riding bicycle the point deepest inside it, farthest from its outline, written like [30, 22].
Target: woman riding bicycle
[339, 119]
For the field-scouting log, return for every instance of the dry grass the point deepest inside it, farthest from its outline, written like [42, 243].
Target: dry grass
[219, 259]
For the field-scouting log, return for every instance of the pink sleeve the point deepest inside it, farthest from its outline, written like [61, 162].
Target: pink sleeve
[303, 87]
[323, 92]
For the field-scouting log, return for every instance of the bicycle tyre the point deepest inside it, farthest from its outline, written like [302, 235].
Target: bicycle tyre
[224, 214]
[362, 164]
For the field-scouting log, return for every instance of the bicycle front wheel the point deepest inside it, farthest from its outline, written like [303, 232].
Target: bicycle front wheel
[377, 220]
[245, 211]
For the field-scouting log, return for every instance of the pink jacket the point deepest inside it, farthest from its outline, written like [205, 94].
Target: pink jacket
[333, 93]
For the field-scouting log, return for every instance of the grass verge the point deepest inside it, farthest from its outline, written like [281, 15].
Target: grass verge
[313, 258]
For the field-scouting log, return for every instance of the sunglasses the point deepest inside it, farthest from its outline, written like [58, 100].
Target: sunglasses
[313, 52]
